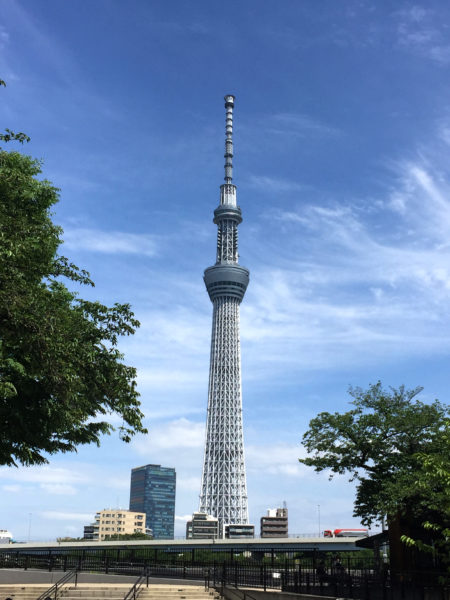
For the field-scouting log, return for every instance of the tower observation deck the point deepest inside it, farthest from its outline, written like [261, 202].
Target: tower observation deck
[224, 489]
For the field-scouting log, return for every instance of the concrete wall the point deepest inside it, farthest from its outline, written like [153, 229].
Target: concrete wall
[230, 593]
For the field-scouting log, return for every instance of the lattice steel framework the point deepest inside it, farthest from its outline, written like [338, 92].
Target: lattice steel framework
[224, 488]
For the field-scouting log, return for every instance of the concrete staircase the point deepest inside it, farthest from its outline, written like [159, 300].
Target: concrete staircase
[94, 591]
[22, 592]
[176, 592]
[99, 591]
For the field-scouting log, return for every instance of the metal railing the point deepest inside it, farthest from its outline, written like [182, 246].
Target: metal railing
[135, 589]
[52, 592]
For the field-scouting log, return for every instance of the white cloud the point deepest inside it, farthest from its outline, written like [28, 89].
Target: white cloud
[183, 518]
[274, 184]
[275, 459]
[4, 37]
[421, 31]
[191, 484]
[109, 242]
[12, 488]
[45, 475]
[66, 516]
[177, 434]
[298, 125]
[59, 489]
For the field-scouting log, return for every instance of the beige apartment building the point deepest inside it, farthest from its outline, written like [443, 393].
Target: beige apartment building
[115, 521]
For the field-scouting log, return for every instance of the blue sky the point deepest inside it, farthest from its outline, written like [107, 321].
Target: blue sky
[342, 143]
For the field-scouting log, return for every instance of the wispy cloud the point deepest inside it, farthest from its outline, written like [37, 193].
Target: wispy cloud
[420, 30]
[183, 518]
[13, 489]
[4, 37]
[66, 516]
[180, 434]
[276, 459]
[59, 489]
[109, 242]
[45, 475]
[299, 125]
[274, 184]
[45, 479]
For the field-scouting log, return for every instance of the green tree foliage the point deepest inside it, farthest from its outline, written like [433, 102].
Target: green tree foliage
[61, 372]
[432, 481]
[383, 442]
[9, 135]
[128, 536]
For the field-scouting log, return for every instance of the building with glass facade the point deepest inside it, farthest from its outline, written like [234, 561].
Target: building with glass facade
[152, 492]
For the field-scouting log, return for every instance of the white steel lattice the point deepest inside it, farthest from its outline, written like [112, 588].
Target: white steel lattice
[224, 490]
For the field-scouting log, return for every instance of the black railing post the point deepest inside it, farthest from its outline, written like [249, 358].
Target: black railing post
[26, 563]
[265, 576]
[235, 575]
[76, 577]
[308, 584]
[350, 585]
[384, 585]
[286, 575]
[65, 563]
[366, 588]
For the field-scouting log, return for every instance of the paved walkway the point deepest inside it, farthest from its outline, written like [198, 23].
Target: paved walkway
[20, 576]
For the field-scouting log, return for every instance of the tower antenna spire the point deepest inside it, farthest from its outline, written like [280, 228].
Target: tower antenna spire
[229, 105]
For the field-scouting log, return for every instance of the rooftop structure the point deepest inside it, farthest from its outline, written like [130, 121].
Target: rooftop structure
[275, 523]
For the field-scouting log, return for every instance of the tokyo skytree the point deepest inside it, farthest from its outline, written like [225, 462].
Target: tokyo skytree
[224, 489]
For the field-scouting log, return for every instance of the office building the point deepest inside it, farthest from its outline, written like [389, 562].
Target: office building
[152, 492]
[275, 523]
[202, 527]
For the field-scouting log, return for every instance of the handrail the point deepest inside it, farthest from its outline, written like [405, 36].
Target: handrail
[52, 592]
[133, 592]
[246, 595]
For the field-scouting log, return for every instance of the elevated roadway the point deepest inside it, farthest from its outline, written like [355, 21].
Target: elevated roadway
[284, 545]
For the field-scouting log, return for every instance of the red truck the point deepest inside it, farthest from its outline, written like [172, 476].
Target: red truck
[346, 533]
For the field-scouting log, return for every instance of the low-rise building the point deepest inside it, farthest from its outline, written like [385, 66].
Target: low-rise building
[202, 527]
[275, 523]
[5, 536]
[115, 521]
[238, 530]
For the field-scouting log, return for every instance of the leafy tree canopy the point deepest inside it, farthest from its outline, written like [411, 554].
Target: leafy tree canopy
[61, 372]
[128, 536]
[383, 442]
